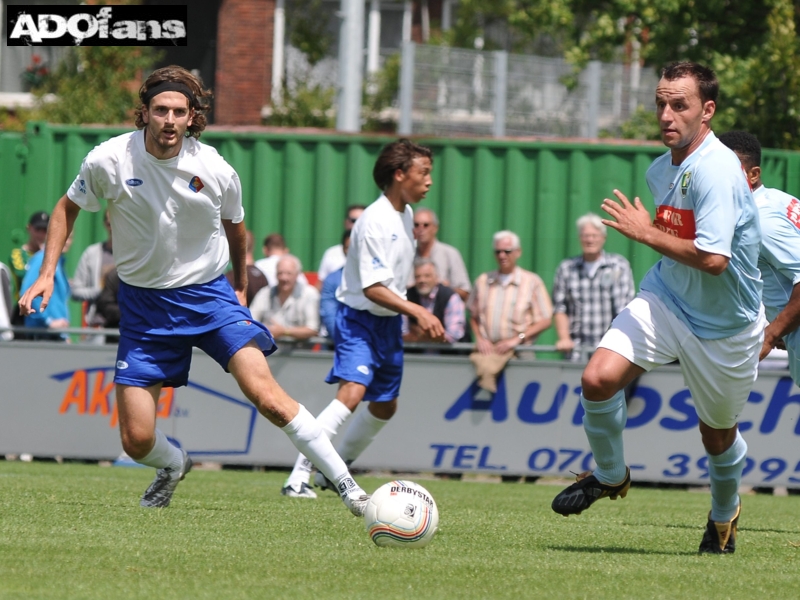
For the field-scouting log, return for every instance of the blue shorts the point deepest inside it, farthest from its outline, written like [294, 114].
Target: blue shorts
[368, 350]
[159, 328]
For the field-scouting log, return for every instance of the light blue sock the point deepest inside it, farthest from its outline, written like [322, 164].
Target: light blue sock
[725, 471]
[604, 422]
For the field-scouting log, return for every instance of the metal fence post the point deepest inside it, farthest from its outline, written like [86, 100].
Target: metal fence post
[593, 73]
[406, 89]
[500, 92]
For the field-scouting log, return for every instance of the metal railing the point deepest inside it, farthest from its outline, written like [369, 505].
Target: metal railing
[93, 335]
[445, 91]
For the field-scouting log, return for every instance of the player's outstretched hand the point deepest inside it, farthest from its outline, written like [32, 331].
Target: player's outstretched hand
[431, 326]
[41, 287]
[631, 220]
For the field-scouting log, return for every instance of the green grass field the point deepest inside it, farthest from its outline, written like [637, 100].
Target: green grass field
[76, 531]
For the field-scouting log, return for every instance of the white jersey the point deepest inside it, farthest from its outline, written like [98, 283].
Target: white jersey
[382, 248]
[166, 215]
[332, 260]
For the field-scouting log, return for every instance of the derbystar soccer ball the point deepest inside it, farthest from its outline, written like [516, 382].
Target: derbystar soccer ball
[401, 514]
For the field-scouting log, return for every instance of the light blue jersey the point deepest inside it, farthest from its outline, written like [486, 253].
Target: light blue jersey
[779, 260]
[707, 199]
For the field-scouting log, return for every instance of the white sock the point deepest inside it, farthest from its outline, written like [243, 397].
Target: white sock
[359, 435]
[163, 455]
[310, 439]
[330, 419]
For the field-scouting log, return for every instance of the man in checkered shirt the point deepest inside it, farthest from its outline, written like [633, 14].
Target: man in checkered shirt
[589, 291]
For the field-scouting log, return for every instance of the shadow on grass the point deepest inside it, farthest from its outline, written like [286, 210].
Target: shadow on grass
[746, 529]
[616, 550]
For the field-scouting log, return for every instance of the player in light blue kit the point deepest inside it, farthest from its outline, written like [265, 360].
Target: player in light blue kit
[368, 351]
[175, 208]
[699, 304]
[779, 260]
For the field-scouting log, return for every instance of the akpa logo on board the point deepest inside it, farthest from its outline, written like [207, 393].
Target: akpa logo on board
[96, 25]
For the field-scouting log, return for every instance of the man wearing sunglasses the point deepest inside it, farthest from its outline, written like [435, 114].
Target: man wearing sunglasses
[509, 306]
[448, 260]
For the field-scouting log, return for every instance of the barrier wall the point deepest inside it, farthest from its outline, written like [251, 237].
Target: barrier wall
[59, 400]
[299, 183]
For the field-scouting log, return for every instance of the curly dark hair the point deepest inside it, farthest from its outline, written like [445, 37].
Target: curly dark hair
[202, 97]
[706, 78]
[746, 145]
[397, 155]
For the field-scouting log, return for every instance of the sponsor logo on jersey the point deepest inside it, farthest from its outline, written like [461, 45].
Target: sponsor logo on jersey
[363, 369]
[196, 184]
[121, 364]
[376, 263]
[394, 236]
[676, 221]
[793, 212]
[134, 182]
[244, 323]
[82, 186]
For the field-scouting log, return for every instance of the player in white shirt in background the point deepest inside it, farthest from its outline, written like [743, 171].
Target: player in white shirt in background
[175, 208]
[368, 351]
[333, 259]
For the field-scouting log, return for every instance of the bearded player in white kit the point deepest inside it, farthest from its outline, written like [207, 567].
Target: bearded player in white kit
[176, 214]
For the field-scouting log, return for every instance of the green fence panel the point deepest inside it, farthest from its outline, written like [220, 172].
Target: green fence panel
[299, 184]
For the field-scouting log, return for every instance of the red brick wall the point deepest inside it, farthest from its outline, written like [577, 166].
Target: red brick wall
[244, 61]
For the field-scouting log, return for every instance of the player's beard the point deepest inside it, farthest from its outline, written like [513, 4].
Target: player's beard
[164, 144]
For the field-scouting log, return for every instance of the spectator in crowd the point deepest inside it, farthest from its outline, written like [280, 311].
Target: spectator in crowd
[274, 247]
[56, 315]
[255, 277]
[94, 263]
[589, 291]
[448, 261]
[334, 257]
[509, 306]
[6, 305]
[441, 301]
[37, 234]
[328, 304]
[107, 305]
[291, 308]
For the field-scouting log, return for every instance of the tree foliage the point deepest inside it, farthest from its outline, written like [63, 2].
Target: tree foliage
[95, 84]
[751, 44]
[307, 31]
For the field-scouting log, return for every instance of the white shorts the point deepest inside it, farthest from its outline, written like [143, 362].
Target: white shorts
[719, 373]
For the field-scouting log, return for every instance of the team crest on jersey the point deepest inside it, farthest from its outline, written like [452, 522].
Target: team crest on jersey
[195, 184]
[685, 180]
[793, 212]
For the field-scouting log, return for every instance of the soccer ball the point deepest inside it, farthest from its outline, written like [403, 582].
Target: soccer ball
[401, 514]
